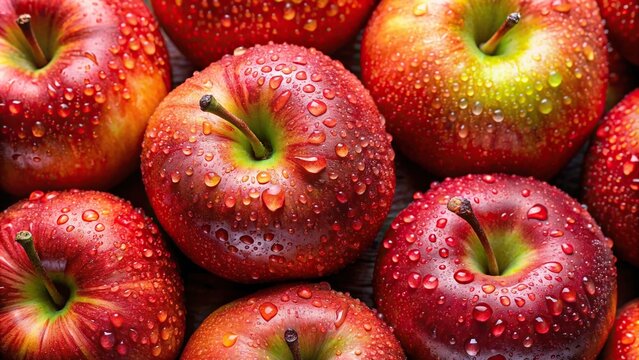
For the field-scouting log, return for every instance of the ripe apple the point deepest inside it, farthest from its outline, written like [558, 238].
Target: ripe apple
[611, 179]
[465, 91]
[622, 78]
[287, 173]
[514, 269]
[206, 30]
[624, 339]
[78, 82]
[622, 21]
[294, 322]
[94, 280]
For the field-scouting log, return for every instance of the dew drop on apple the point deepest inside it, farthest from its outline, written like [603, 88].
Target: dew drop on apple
[554, 267]
[628, 338]
[441, 223]
[561, 6]
[312, 164]
[462, 132]
[482, 312]
[275, 82]
[281, 100]
[477, 108]
[568, 249]
[15, 107]
[488, 288]
[341, 150]
[414, 255]
[463, 103]
[542, 325]
[414, 280]
[38, 129]
[545, 106]
[528, 342]
[589, 286]
[317, 137]
[62, 219]
[316, 107]
[122, 349]
[498, 115]
[273, 198]
[568, 295]
[420, 9]
[107, 340]
[472, 347]
[304, 293]
[116, 320]
[176, 177]
[555, 306]
[263, 177]
[90, 215]
[268, 310]
[538, 212]
[211, 179]
[463, 276]
[554, 79]
[498, 328]
[340, 316]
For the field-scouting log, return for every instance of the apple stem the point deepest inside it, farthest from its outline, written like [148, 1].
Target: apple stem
[25, 239]
[490, 46]
[292, 340]
[462, 208]
[209, 104]
[24, 22]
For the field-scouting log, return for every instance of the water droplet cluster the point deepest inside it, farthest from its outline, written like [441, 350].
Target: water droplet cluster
[624, 341]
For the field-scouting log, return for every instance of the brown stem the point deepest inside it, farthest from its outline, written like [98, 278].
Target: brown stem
[209, 104]
[24, 22]
[25, 239]
[490, 46]
[292, 340]
[462, 208]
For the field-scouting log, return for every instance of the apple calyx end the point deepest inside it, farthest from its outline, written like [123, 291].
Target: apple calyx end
[24, 23]
[292, 340]
[490, 46]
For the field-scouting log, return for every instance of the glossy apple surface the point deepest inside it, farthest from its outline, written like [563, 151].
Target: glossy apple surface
[124, 294]
[454, 109]
[309, 208]
[624, 339]
[611, 179]
[622, 19]
[207, 30]
[79, 120]
[554, 297]
[622, 78]
[329, 325]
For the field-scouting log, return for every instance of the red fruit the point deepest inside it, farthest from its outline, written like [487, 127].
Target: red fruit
[307, 208]
[207, 30]
[123, 297]
[78, 120]
[327, 324]
[622, 79]
[624, 340]
[548, 299]
[622, 20]
[611, 180]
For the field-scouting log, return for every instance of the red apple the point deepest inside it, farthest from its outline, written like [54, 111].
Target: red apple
[292, 178]
[523, 272]
[624, 339]
[294, 322]
[206, 30]
[622, 78]
[466, 91]
[611, 179]
[99, 283]
[73, 114]
[622, 20]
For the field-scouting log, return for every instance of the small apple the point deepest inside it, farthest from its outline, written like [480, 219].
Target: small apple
[94, 279]
[622, 21]
[270, 165]
[622, 78]
[205, 30]
[294, 322]
[78, 82]
[487, 86]
[611, 179]
[624, 339]
[496, 267]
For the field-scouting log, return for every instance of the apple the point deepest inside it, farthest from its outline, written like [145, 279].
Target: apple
[93, 279]
[622, 20]
[496, 267]
[78, 82]
[488, 86]
[622, 78]
[624, 339]
[611, 178]
[205, 31]
[287, 173]
[304, 321]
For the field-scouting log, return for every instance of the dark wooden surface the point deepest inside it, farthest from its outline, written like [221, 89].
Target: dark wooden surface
[206, 292]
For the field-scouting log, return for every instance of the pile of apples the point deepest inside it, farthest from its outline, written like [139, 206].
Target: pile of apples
[275, 165]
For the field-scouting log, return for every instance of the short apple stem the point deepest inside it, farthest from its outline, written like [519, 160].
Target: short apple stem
[292, 340]
[24, 22]
[209, 104]
[490, 46]
[25, 239]
[462, 208]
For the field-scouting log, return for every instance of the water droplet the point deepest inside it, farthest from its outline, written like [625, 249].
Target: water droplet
[90, 215]
[211, 179]
[545, 106]
[317, 137]
[62, 219]
[555, 306]
[464, 276]
[263, 177]
[107, 340]
[538, 212]
[472, 347]
[628, 338]
[310, 25]
[414, 280]
[498, 328]
[482, 312]
[340, 316]
[441, 223]
[568, 295]
[498, 115]
[477, 108]
[38, 129]
[268, 310]
[281, 100]
[561, 6]
[488, 288]
[420, 9]
[542, 325]
[316, 107]
[554, 79]
[341, 150]
[312, 164]
[273, 198]
[554, 267]
[430, 282]
[589, 286]
[304, 293]
[567, 249]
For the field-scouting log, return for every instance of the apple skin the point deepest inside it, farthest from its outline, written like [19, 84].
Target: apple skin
[285, 217]
[205, 32]
[611, 178]
[438, 313]
[454, 110]
[329, 324]
[623, 342]
[622, 20]
[79, 121]
[128, 297]
[622, 78]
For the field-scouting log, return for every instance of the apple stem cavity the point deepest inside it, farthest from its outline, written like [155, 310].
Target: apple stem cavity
[209, 104]
[462, 208]
[25, 239]
[292, 340]
[490, 46]
[24, 23]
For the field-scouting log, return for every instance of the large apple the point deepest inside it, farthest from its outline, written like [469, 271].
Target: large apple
[624, 339]
[78, 82]
[487, 86]
[94, 280]
[287, 173]
[207, 30]
[611, 179]
[496, 267]
[294, 322]
[622, 20]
